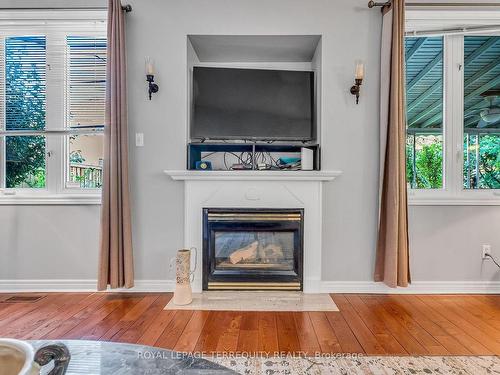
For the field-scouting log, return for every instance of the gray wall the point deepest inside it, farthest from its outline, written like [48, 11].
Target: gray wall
[48, 242]
[61, 242]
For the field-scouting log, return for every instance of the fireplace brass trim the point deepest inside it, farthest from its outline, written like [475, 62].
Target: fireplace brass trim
[212, 285]
[252, 217]
[255, 219]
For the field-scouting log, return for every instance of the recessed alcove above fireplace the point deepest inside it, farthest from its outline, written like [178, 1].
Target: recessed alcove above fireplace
[290, 57]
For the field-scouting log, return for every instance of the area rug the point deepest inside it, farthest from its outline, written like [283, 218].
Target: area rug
[257, 301]
[361, 365]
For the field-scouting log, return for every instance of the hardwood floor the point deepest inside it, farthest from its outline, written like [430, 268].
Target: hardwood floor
[370, 324]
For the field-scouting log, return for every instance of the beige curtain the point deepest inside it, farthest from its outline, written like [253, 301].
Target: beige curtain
[392, 259]
[116, 267]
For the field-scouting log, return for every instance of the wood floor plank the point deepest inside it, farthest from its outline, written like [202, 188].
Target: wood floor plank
[268, 333]
[483, 309]
[123, 309]
[346, 337]
[248, 339]
[288, 340]
[451, 303]
[173, 331]
[449, 342]
[74, 320]
[328, 342]
[376, 325]
[469, 342]
[308, 340]
[492, 300]
[365, 337]
[228, 341]
[16, 311]
[87, 325]
[10, 311]
[132, 325]
[221, 326]
[405, 319]
[63, 315]
[155, 329]
[192, 332]
[34, 318]
[210, 326]
[394, 326]
[477, 333]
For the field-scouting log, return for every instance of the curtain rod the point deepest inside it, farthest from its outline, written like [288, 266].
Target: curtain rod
[373, 4]
[455, 31]
[126, 8]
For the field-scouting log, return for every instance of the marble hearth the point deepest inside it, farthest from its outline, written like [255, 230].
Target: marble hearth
[257, 189]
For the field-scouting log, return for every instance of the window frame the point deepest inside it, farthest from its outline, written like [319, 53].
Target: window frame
[65, 142]
[80, 23]
[452, 192]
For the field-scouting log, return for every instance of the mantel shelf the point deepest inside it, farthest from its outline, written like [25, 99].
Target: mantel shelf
[189, 175]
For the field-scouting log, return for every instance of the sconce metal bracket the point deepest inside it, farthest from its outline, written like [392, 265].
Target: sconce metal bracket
[356, 89]
[153, 87]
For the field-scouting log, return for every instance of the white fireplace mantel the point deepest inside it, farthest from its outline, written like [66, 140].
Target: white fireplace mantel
[257, 189]
[253, 175]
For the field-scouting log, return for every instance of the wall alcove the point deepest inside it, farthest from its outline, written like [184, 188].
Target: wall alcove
[281, 52]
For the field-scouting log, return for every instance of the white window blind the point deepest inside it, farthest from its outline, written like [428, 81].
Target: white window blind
[23, 82]
[85, 80]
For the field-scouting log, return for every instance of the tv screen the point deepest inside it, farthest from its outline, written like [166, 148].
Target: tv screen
[252, 104]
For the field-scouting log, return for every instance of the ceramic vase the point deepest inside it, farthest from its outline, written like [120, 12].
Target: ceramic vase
[183, 294]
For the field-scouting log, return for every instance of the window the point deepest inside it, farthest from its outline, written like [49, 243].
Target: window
[24, 62]
[85, 96]
[424, 97]
[453, 111]
[481, 112]
[52, 95]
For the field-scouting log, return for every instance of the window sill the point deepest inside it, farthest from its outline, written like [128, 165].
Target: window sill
[50, 199]
[413, 201]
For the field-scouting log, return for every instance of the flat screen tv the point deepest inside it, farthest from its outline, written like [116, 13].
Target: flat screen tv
[252, 104]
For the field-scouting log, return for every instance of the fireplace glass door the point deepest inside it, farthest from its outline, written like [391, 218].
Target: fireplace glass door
[260, 250]
[252, 249]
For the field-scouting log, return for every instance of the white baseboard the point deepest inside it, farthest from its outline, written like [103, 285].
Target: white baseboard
[61, 285]
[417, 287]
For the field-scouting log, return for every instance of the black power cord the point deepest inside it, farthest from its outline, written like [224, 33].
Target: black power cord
[493, 259]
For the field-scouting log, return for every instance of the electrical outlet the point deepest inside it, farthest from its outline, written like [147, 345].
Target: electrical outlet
[486, 250]
[139, 139]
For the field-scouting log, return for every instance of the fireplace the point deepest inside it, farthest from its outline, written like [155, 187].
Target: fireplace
[252, 249]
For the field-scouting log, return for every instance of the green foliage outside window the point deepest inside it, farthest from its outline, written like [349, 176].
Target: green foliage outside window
[488, 166]
[427, 172]
[25, 165]
[25, 110]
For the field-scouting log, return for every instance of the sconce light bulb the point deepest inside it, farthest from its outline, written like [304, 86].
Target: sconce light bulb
[360, 71]
[150, 66]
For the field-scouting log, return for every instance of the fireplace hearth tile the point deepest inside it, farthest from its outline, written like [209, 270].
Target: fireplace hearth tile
[257, 301]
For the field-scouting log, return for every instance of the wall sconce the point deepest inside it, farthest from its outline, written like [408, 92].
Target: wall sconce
[358, 79]
[150, 73]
